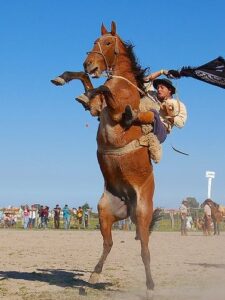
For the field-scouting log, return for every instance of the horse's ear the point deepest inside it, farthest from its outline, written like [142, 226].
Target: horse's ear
[113, 28]
[103, 29]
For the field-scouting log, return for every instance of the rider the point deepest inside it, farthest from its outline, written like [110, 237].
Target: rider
[169, 112]
[158, 110]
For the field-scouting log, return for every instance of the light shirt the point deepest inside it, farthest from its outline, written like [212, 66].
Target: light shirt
[207, 210]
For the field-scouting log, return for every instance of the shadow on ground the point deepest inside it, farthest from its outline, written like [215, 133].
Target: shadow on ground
[58, 277]
[205, 265]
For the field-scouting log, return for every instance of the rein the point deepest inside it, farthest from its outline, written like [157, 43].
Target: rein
[110, 76]
[131, 83]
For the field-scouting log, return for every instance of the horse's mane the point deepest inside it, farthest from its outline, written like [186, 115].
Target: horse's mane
[136, 67]
[214, 203]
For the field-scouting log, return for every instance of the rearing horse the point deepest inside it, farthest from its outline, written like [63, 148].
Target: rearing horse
[125, 165]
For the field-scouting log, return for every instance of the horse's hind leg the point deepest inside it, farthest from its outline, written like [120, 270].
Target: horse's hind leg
[218, 228]
[110, 209]
[143, 229]
[144, 212]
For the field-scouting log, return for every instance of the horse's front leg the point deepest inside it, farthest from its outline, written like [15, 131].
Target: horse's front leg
[68, 76]
[83, 77]
[111, 101]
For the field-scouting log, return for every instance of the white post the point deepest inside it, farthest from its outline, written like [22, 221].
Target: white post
[209, 187]
[210, 175]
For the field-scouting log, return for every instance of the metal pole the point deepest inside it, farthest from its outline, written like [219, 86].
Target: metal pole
[209, 187]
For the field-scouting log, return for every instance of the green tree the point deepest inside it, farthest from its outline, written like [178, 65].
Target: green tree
[192, 202]
[85, 206]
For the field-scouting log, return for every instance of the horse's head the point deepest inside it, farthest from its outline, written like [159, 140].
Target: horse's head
[210, 203]
[207, 201]
[104, 53]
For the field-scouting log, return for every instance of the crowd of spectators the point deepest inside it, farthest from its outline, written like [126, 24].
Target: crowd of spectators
[40, 216]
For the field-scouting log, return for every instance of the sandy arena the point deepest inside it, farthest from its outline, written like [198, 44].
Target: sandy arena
[54, 264]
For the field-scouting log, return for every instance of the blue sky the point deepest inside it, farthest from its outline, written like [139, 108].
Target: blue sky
[48, 154]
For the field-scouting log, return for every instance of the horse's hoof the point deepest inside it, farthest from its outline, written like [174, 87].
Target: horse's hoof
[58, 81]
[149, 295]
[82, 99]
[94, 278]
[82, 291]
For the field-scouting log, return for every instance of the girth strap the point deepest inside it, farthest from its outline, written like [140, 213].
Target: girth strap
[134, 145]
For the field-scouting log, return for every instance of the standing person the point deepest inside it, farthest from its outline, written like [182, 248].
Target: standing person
[86, 218]
[207, 218]
[74, 215]
[57, 211]
[39, 221]
[25, 217]
[66, 217]
[41, 216]
[45, 213]
[183, 217]
[79, 216]
[32, 216]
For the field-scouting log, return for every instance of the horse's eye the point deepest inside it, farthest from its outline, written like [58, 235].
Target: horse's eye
[108, 43]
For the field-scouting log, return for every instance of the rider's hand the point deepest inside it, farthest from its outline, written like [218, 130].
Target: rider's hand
[173, 74]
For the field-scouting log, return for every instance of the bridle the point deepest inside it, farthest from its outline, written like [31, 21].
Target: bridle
[109, 69]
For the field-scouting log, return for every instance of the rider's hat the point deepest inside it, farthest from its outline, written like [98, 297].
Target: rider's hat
[165, 82]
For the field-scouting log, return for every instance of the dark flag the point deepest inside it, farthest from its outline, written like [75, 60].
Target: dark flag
[213, 72]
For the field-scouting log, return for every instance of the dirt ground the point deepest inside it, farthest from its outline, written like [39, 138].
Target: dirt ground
[50, 264]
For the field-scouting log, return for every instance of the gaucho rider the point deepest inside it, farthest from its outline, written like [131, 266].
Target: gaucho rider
[158, 112]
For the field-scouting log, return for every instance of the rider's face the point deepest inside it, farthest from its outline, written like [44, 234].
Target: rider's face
[163, 92]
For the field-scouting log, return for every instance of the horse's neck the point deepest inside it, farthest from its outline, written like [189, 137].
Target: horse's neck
[123, 68]
[123, 86]
[124, 92]
[214, 205]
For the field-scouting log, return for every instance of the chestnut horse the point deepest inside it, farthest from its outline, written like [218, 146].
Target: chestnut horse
[216, 214]
[125, 164]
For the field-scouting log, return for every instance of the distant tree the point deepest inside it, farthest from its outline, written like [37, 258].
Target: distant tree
[192, 202]
[85, 206]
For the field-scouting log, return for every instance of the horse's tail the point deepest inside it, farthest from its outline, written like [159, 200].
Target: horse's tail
[156, 217]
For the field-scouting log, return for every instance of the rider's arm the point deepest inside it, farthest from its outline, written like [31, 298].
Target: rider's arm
[156, 74]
